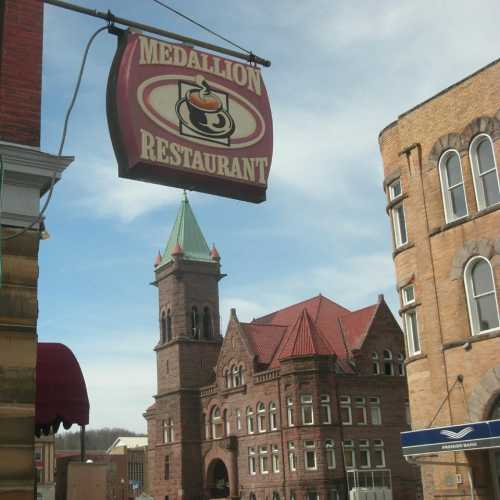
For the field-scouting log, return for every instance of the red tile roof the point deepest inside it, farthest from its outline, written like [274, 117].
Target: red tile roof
[263, 339]
[356, 324]
[314, 326]
[303, 338]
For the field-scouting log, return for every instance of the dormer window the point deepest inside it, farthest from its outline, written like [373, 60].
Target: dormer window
[388, 365]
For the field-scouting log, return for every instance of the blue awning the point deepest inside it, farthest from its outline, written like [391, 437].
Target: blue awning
[473, 436]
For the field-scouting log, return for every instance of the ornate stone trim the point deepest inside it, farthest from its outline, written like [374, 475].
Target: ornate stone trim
[472, 248]
[461, 141]
[484, 395]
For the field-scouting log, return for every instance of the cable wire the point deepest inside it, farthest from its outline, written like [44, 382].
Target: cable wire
[163, 4]
[39, 218]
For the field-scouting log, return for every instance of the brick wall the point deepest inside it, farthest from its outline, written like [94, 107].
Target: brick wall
[21, 71]
[434, 261]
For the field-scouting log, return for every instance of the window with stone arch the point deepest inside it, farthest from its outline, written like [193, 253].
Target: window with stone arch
[163, 327]
[273, 416]
[452, 186]
[249, 414]
[481, 295]
[207, 323]
[235, 374]
[216, 422]
[227, 378]
[375, 364]
[484, 171]
[261, 417]
[169, 326]
[388, 364]
[168, 430]
[195, 323]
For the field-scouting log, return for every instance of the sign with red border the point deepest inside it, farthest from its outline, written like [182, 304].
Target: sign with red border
[191, 119]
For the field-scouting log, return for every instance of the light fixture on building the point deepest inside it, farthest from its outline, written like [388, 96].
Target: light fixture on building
[44, 234]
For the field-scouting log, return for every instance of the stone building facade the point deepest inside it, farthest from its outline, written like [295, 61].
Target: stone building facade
[441, 180]
[303, 403]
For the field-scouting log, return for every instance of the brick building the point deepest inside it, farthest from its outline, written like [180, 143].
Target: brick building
[441, 179]
[302, 403]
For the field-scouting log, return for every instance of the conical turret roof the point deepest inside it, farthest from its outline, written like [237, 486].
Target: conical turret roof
[187, 235]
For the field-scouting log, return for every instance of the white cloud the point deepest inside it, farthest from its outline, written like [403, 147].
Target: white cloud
[110, 196]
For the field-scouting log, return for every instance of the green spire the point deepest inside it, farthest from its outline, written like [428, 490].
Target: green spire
[187, 233]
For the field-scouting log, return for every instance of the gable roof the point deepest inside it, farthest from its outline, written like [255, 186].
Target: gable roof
[263, 340]
[316, 326]
[186, 237]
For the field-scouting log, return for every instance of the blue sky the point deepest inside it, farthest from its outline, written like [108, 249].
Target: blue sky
[341, 71]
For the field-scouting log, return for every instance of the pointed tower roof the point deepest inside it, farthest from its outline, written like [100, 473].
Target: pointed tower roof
[304, 338]
[186, 235]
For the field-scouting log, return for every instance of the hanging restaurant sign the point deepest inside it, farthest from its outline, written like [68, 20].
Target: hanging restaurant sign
[185, 118]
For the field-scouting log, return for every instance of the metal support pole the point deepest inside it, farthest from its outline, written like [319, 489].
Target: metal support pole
[82, 443]
[108, 16]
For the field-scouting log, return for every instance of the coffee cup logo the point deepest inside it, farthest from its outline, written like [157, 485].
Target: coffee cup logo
[204, 112]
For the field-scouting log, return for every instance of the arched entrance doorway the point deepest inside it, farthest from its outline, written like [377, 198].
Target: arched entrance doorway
[218, 479]
[495, 454]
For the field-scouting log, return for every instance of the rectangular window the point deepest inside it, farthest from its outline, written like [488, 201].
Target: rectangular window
[330, 453]
[395, 190]
[38, 454]
[310, 455]
[408, 293]
[349, 457]
[166, 474]
[264, 460]
[345, 410]
[312, 495]
[250, 423]
[289, 408]
[333, 495]
[275, 458]
[364, 454]
[252, 462]
[359, 411]
[378, 453]
[326, 410]
[412, 334]
[292, 457]
[375, 414]
[307, 409]
[399, 225]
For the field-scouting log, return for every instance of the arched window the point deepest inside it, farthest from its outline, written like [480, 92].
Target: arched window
[276, 495]
[485, 172]
[168, 430]
[273, 416]
[261, 417]
[207, 323]
[252, 496]
[452, 186]
[375, 364]
[249, 412]
[227, 423]
[216, 421]
[388, 366]
[235, 373]
[481, 295]
[163, 328]
[401, 364]
[242, 375]
[195, 327]
[227, 379]
[169, 326]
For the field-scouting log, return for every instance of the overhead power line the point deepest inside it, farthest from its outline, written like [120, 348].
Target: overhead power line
[191, 20]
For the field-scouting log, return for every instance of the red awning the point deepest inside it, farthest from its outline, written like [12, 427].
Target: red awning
[61, 394]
